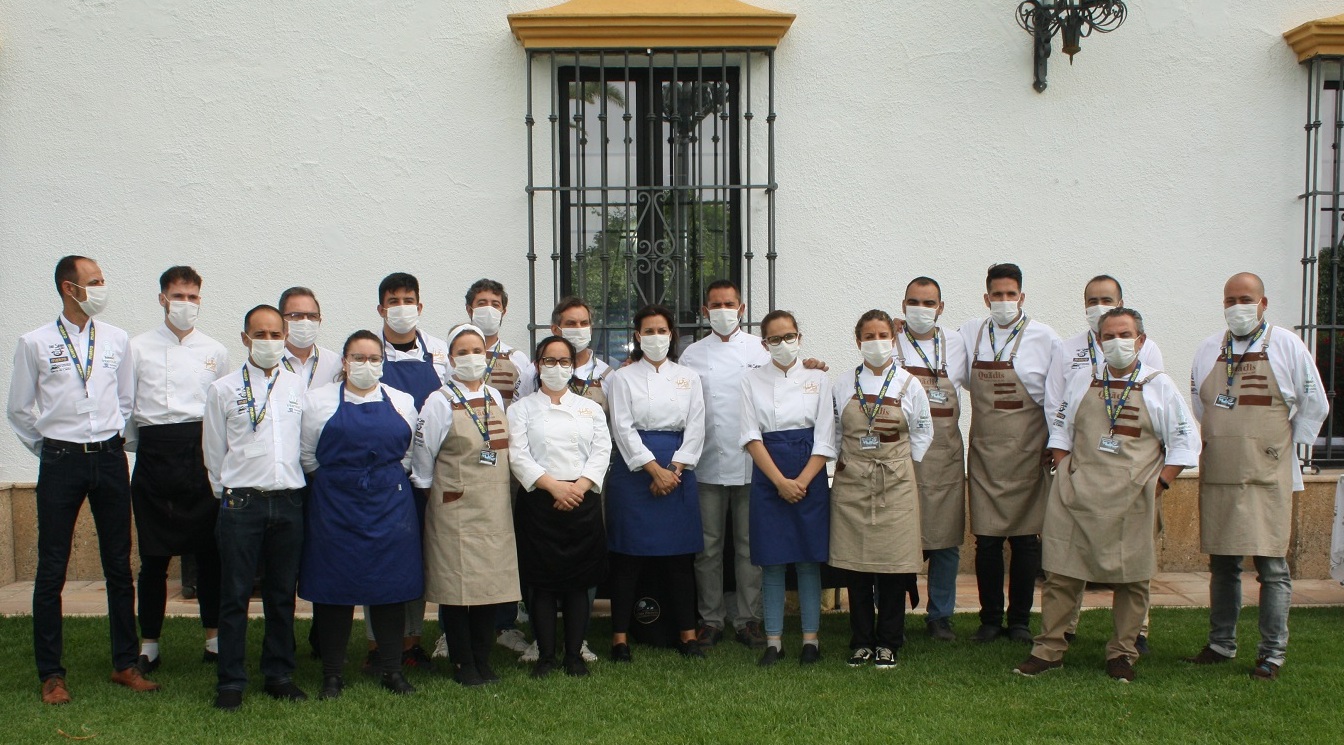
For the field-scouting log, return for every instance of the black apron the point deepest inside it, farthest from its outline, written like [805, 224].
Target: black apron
[175, 508]
[559, 550]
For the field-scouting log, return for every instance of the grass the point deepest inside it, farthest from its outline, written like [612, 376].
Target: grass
[958, 692]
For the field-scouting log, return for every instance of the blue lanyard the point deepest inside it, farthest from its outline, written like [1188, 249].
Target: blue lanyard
[490, 358]
[311, 372]
[256, 415]
[84, 370]
[482, 425]
[1092, 354]
[934, 367]
[1227, 352]
[998, 353]
[592, 370]
[1114, 413]
[881, 394]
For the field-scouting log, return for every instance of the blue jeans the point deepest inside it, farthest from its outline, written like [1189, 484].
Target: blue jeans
[943, 564]
[255, 529]
[65, 478]
[809, 597]
[1276, 594]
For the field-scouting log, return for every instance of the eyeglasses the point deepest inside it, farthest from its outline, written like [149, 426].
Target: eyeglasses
[553, 361]
[303, 316]
[775, 341]
[374, 358]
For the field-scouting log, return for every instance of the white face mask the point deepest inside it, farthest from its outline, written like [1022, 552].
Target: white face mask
[403, 318]
[655, 346]
[876, 352]
[1094, 314]
[1119, 353]
[1003, 312]
[182, 314]
[303, 334]
[785, 353]
[556, 378]
[487, 319]
[919, 319]
[469, 367]
[580, 337]
[95, 299]
[266, 353]
[1242, 319]
[364, 375]
[724, 321]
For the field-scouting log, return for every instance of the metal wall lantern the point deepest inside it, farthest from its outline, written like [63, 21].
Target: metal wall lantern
[1074, 19]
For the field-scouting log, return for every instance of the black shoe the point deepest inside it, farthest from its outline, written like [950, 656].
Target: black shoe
[751, 635]
[576, 668]
[771, 656]
[466, 675]
[487, 673]
[709, 636]
[286, 691]
[941, 630]
[210, 657]
[542, 668]
[415, 658]
[332, 685]
[690, 649]
[1069, 636]
[189, 591]
[811, 654]
[147, 665]
[1020, 634]
[373, 663]
[229, 700]
[987, 633]
[396, 683]
[621, 653]
[1141, 644]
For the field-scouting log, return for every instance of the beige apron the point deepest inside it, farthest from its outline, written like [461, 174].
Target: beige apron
[874, 500]
[1008, 482]
[942, 474]
[1100, 513]
[503, 374]
[592, 391]
[1246, 468]
[470, 554]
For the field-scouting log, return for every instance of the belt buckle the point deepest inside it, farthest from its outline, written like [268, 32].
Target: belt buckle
[92, 447]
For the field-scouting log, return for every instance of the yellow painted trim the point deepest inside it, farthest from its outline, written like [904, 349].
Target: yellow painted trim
[1318, 38]
[650, 24]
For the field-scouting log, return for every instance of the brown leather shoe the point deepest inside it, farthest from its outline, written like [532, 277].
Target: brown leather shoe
[135, 680]
[54, 691]
[1207, 656]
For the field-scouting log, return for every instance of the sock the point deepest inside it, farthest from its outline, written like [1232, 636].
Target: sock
[814, 642]
[212, 644]
[775, 644]
[150, 650]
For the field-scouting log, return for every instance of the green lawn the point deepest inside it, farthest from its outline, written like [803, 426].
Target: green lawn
[938, 693]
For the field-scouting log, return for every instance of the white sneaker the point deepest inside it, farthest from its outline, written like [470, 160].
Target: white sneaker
[586, 653]
[531, 654]
[512, 639]
[441, 647]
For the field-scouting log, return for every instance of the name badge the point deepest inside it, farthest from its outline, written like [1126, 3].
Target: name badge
[1225, 401]
[86, 406]
[1109, 445]
[255, 449]
[488, 458]
[868, 442]
[937, 396]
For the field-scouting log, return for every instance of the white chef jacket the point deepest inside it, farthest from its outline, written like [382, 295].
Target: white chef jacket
[46, 393]
[434, 423]
[914, 404]
[721, 366]
[1035, 362]
[1294, 368]
[669, 399]
[235, 455]
[568, 441]
[1079, 359]
[322, 367]
[321, 405]
[951, 356]
[1172, 421]
[438, 353]
[774, 400]
[527, 374]
[171, 377]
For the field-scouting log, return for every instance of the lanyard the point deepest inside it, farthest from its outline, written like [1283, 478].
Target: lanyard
[998, 353]
[881, 394]
[482, 425]
[934, 367]
[490, 361]
[592, 370]
[311, 372]
[1227, 352]
[1092, 354]
[257, 416]
[1114, 413]
[84, 370]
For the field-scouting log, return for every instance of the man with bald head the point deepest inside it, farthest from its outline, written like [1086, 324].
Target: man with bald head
[1257, 394]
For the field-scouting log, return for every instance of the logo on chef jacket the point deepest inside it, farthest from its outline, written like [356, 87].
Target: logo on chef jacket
[293, 406]
[586, 412]
[211, 365]
[682, 384]
[647, 610]
[439, 357]
[811, 387]
[110, 360]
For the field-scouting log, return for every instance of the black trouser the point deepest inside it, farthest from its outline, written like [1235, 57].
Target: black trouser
[470, 632]
[1022, 571]
[152, 589]
[877, 621]
[332, 624]
[543, 607]
[626, 570]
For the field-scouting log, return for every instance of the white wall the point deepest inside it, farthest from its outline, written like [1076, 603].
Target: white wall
[330, 142]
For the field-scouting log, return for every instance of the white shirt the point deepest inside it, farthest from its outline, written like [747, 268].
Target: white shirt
[47, 397]
[437, 348]
[235, 455]
[1294, 369]
[951, 355]
[172, 376]
[914, 404]
[1035, 361]
[434, 423]
[526, 383]
[321, 404]
[1080, 359]
[322, 367]
[1172, 421]
[592, 370]
[568, 441]
[721, 366]
[774, 401]
[668, 399]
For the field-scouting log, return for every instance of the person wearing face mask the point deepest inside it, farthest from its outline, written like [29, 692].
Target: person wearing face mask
[572, 319]
[938, 361]
[70, 396]
[175, 509]
[653, 503]
[559, 451]
[461, 464]
[251, 435]
[318, 366]
[361, 534]
[788, 428]
[1257, 395]
[1117, 442]
[884, 430]
[1013, 368]
[507, 369]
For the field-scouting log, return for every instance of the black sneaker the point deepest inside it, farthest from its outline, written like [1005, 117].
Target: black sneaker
[1069, 636]
[1141, 644]
[941, 630]
[884, 658]
[286, 691]
[621, 653]
[690, 649]
[466, 675]
[543, 668]
[396, 683]
[1020, 634]
[811, 654]
[229, 700]
[576, 668]
[211, 657]
[332, 685]
[860, 657]
[771, 656]
[416, 659]
[147, 665]
[987, 633]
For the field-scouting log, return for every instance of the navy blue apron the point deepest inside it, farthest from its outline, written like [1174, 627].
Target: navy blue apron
[416, 377]
[362, 539]
[783, 533]
[641, 524]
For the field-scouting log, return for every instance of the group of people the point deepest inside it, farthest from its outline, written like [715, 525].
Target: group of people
[408, 469]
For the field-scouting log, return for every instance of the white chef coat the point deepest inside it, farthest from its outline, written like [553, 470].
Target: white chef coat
[1294, 368]
[721, 366]
[1079, 359]
[46, 393]
[1172, 421]
[568, 440]
[527, 374]
[914, 404]
[321, 404]
[172, 376]
[669, 399]
[1035, 363]
[774, 400]
[438, 353]
[951, 355]
[229, 440]
[322, 367]
[434, 423]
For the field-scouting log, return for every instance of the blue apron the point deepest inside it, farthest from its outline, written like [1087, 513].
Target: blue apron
[783, 533]
[362, 539]
[416, 377]
[641, 524]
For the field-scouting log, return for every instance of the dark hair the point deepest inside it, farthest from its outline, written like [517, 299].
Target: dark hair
[1004, 271]
[464, 333]
[360, 335]
[1119, 291]
[178, 274]
[247, 319]
[536, 357]
[873, 315]
[723, 284]
[925, 282]
[569, 303]
[398, 281]
[776, 315]
[650, 311]
[487, 285]
[1125, 312]
[67, 270]
[303, 292]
